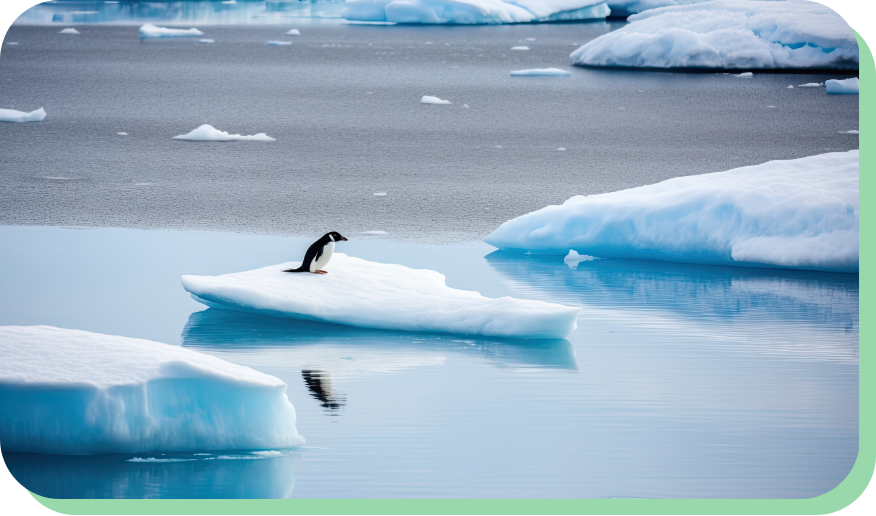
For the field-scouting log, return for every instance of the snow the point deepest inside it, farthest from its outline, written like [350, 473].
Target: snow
[541, 72]
[278, 43]
[844, 86]
[151, 31]
[433, 100]
[811, 85]
[473, 11]
[367, 294]
[74, 392]
[800, 214]
[728, 34]
[293, 32]
[68, 31]
[207, 132]
[11, 115]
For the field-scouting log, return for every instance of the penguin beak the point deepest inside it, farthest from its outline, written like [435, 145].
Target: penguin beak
[343, 239]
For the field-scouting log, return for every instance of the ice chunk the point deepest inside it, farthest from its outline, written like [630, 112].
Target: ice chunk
[368, 294]
[790, 87]
[278, 43]
[207, 132]
[12, 43]
[799, 214]
[379, 194]
[541, 72]
[122, 134]
[74, 392]
[293, 32]
[728, 34]
[811, 85]
[851, 131]
[11, 115]
[151, 31]
[744, 75]
[68, 31]
[469, 12]
[573, 259]
[432, 100]
[520, 48]
[206, 40]
[844, 86]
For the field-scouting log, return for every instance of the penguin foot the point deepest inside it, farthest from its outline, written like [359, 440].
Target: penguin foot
[320, 272]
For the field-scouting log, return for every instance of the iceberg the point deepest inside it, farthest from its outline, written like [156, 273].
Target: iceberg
[368, 294]
[72, 392]
[473, 12]
[11, 115]
[730, 35]
[799, 214]
[428, 99]
[68, 31]
[842, 87]
[209, 133]
[541, 72]
[151, 31]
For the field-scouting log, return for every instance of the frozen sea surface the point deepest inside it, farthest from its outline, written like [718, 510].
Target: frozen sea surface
[683, 380]
[344, 106]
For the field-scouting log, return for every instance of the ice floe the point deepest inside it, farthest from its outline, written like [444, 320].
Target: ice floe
[744, 75]
[368, 294]
[428, 99]
[842, 86]
[379, 194]
[800, 214]
[74, 392]
[728, 34]
[851, 131]
[206, 40]
[122, 134]
[293, 32]
[151, 31]
[470, 12]
[541, 72]
[11, 115]
[278, 43]
[811, 85]
[68, 31]
[209, 133]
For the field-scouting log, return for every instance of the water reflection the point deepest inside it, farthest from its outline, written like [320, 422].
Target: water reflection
[215, 475]
[353, 352]
[319, 383]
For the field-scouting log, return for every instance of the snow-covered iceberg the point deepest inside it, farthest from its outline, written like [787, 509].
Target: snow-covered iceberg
[368, 294]
[800, 214]
[74, 392]
[728, 34]
[842, 87]
[11, 115]
[208, 133]
[541, 72]
[151, 31]
[473, 12]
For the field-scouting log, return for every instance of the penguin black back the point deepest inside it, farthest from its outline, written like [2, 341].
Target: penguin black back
[316, 250]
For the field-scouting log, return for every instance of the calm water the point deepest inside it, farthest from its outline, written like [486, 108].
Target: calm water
[681, 381]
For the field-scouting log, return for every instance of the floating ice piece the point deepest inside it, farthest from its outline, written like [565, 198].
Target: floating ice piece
[728, 34]
[293, 32]
[852, 131]
[379, 194]
[811, 85]
[11, 115]
[278, 43]
[790, 87]
[206, 40]
[530, 39]
[520, 48]
[469, 12]
[432, 100]
[800, 214]
[68, 31]
[561, 148]
[541, 72]
[12, 43]
[151, 31]
[368, 294]
[74, 392]
[573, 259]
[744, 75]
[843, 87]
[207, 132]
[374, 232]
[122, 134]
[465, 106]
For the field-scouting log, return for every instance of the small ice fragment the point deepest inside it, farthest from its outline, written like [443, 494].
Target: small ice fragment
[369, 92]
[68, 31]
[278, 43]
[207, 132]
[151, 31]
[641, 91]
[790, 87]
[498, 146]
[230, 2]
[122, 134]
[293, 32]
[347, 358]
[573, 259]
[11, 115]
[198, 453]
[11, 42]
[447, 44]
[620, 108]
[465, 106]
[433, 100]
[268, 453]
[852, 131]
[771, 106]
[142, 184]
[58, 178]
[561, 149]
[379, 194]
[206, 40]
[744, 75]
[429, 43]
[530, 39]
[520, 48]
[842, 87]
[541, 72]
[374, 232]
[153, 459]
[811, 85]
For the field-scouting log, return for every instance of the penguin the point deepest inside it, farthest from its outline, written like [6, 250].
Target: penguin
[319, 254]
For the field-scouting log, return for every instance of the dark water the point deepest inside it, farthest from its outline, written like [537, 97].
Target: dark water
[343, 104]
[680, 382]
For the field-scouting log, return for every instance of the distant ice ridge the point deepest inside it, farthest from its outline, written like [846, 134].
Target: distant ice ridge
[207, 132]
[541, 72]
[151, 31]
[74, 392]
[800, 214]
[728, 34]
[843, 87]
[11, 115]
[367, 294]
[473, 12]
[628, 7]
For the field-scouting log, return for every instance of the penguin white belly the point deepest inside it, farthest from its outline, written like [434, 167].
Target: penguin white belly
[321, 262]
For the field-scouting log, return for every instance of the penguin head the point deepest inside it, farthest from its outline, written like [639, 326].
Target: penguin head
[334, 236]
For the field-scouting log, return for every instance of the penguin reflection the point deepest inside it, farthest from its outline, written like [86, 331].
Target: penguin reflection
[320, 384]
